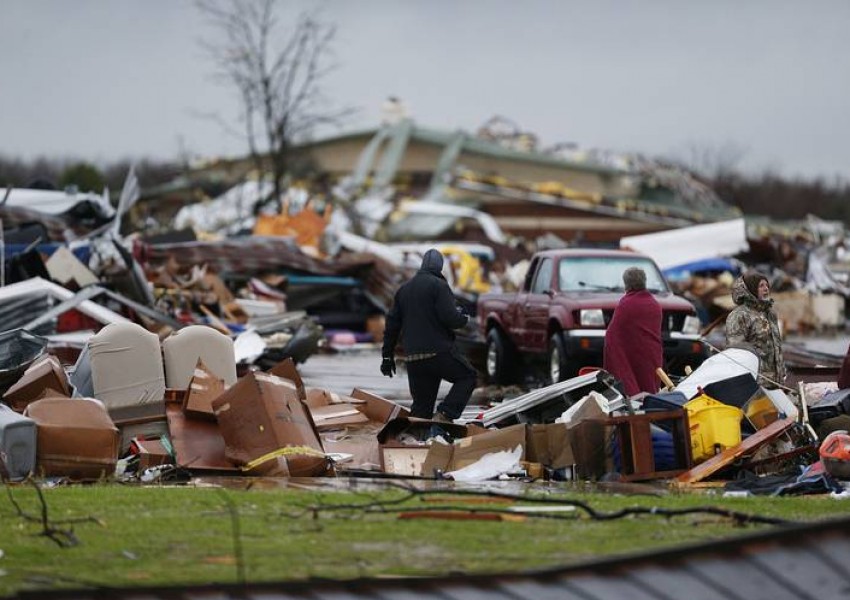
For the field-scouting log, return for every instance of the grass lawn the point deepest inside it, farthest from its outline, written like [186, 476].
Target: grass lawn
[151, 535]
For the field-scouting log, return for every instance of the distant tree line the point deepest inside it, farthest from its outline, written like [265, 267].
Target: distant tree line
[59, 174]
[772, 195]
[767, 193]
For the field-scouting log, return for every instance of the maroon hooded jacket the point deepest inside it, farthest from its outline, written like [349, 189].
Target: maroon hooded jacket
[633, 349]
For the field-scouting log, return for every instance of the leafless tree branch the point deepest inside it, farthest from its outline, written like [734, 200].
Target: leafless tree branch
[278, 78]
[64, 538]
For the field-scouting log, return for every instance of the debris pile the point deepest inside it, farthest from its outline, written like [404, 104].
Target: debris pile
[176, 352]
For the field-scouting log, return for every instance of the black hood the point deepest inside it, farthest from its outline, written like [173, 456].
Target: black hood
[432, 262]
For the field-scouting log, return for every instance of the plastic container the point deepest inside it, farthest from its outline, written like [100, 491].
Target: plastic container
[714, 426]
[17, 444]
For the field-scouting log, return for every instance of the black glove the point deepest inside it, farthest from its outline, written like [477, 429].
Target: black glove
[388, 366]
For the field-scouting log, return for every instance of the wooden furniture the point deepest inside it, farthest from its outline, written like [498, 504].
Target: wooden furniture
[634, 437]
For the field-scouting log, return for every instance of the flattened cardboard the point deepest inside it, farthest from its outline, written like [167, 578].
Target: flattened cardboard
[334, 416]
[361, 443]
[378, 409]
[198, 445]
[321, 397]
[204, 387]
[46, 373]
[76, 438]
[262, 415]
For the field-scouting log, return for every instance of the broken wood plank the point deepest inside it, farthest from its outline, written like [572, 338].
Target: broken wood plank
[752, 443]
[453, 515]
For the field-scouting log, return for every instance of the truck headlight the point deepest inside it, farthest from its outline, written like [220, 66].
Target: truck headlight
[591, 317]
[691, 325]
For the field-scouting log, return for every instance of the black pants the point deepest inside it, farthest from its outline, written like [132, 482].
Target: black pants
[424, 377]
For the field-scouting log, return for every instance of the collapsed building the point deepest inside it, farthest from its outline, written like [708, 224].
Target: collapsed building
[276, 285]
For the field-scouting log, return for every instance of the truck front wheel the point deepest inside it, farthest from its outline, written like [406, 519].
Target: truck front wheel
[560, 365]
[500, 367]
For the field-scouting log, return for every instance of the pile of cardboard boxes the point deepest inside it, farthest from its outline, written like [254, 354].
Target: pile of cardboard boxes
[133, 406]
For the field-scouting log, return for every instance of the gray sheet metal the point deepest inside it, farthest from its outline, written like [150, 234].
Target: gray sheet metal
[94, 291]
[572, 389]
[17, 312]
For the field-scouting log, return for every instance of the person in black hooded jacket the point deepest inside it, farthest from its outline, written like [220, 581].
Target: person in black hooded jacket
[424, 315]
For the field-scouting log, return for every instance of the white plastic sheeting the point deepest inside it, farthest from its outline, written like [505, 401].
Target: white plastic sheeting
[228, 213]
[685, 245]
[723, 365]
[490, 466]
[53, 202]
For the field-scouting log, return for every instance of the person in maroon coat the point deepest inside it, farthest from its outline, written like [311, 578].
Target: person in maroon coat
[633, 349]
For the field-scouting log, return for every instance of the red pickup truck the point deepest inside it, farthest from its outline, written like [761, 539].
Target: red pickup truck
[559, 316]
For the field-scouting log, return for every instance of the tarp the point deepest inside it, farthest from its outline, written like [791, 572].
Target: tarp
[685, 245]
[700, 266]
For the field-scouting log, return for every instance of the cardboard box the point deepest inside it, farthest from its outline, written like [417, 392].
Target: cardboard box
[550, 445]
[44, 374]
[589, 441]
[76, 438]
[287, 369]
[151, 452]
[403, 457]
[469, 450]
[204, 387]
[267, 429]
[378, 409]
[143, 428]
[403, 460]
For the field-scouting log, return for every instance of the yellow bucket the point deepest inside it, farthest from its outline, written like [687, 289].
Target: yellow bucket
[714, 426]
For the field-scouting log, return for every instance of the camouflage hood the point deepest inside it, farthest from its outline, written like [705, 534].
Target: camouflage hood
[741, 295]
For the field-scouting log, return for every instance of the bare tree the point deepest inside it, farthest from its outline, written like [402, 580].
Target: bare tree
[278, 77]
[712, 161]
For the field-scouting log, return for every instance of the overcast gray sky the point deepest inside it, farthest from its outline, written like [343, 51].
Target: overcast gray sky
[108, 79]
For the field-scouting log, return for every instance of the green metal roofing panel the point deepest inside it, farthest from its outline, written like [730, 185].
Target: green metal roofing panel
[473, 145]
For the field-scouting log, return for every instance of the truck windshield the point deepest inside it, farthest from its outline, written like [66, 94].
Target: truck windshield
[595, 273]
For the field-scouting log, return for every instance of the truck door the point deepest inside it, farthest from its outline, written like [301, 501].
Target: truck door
[535, 310]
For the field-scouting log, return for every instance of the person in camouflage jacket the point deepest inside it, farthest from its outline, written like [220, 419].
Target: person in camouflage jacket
[752, 324]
